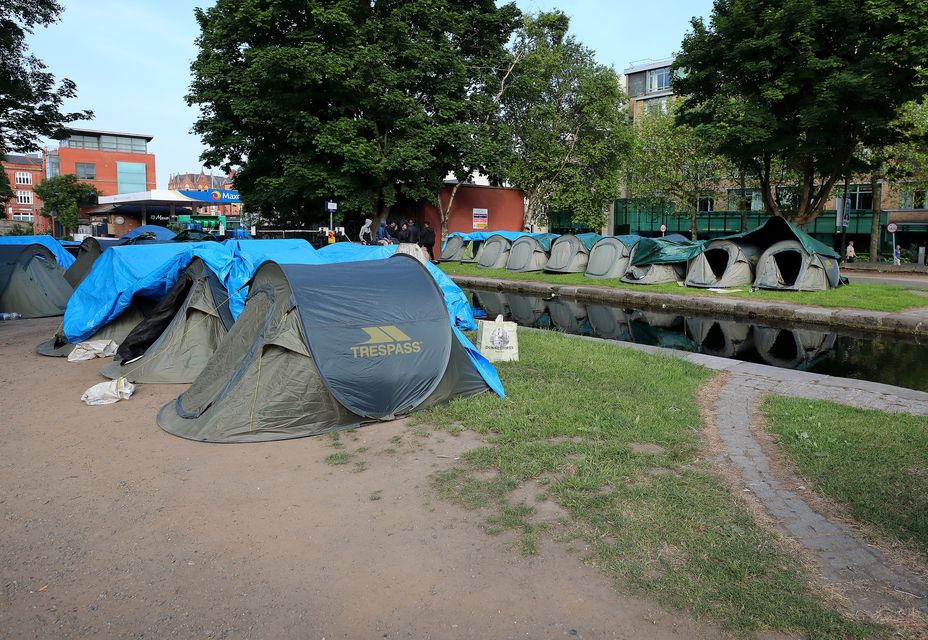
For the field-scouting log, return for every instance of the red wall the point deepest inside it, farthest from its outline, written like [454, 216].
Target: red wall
[40, 224]
[106, 166]
[505, 208]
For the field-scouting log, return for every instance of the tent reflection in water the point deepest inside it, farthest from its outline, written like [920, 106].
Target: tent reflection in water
[529, 311]
[493, 302]
[792, 348]
[722, 338]
[609, 257]
[530, 252]
[571, 253]
[569, 316]
[608, 322]
[174, 343]
[317, 349]
[32, 283]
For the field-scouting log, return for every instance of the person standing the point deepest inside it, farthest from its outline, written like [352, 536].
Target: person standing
[427, 239]
[366, 236]
[413, 231]
[849, 254]
[897, 255]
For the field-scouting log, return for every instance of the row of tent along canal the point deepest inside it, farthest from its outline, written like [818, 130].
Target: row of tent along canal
[775, 255]
[277, 340]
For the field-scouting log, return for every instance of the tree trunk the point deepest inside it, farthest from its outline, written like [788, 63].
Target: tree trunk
[875, 222]
[694, 227]
[742, 208]
[445, 212]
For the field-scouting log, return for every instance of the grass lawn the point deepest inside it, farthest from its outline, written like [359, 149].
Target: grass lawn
[871, 296]
[612, 436]
[873, 463]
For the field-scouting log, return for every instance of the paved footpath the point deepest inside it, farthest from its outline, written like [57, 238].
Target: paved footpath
[863, 574]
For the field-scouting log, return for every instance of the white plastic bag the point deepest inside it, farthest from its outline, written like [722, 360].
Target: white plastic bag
[498, 340]
[109, 392]
[93, 349]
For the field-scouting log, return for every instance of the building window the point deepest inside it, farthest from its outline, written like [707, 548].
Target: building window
[82, 142]
[915, 199]
[22, 216]
[23, 177]
[52, 165]
[130, 177]
[860, 195]
[705, 202]
[23, 197]
[659, 79]
[125, 144]
[85, 170]
[657, 105]
[753, 195]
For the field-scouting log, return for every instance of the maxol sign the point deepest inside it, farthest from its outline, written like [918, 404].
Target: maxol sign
[213, 196]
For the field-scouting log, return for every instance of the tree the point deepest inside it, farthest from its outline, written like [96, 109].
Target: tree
[6, 191]
[62, 196]
[567, 118]
[672, 163]
[29, 101]
[805, 82]
[361, 102]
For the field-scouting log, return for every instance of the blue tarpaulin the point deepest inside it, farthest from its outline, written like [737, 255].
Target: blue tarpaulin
[64, 258]
[160, 233]
[248, 255]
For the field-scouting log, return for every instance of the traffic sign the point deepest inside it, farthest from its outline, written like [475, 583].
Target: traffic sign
[892, 227]
[663, 228]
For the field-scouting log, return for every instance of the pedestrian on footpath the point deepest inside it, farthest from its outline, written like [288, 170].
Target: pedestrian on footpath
[427, 239]
[897, 255]
[849, 254]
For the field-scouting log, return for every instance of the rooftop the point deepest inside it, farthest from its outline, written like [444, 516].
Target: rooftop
[99, 132]
[647, 64]
[24, 159]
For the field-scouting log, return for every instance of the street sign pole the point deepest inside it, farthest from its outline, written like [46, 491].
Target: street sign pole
[892, 228]
[845, 219]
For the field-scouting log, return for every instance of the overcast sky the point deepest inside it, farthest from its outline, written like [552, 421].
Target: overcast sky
[131, 59]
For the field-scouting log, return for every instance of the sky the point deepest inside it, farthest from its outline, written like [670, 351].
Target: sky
[131, 59]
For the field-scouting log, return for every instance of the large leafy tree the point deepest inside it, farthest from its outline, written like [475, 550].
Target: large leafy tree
[803, 82]
[567, 116]
[62, 196]
[30, 101]
[672, 164]
[360, 101]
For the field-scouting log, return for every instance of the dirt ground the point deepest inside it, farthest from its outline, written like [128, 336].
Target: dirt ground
[113, 528]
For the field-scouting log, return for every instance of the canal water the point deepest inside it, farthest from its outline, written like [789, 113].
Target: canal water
[896, 360]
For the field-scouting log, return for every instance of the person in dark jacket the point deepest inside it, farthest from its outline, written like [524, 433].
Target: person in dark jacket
[383, 234]
[403, 235]
[427, 239]
[413, 231]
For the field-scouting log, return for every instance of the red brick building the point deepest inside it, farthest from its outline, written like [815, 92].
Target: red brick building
[24, 171]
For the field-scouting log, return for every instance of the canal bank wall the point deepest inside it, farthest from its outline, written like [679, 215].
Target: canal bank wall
[901, 323]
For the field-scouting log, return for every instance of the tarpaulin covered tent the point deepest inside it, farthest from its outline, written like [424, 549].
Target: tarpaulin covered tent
[317, 349]
[160, 233]
[530, 252]
[790, 258]
[248, 255]
[471, 251]
[722, 338]
[657, 260]
[494, 252]
[609, 257]
[32, 282]
[792, 348]
[87, 253]
[724, 263]
[61, 254]
[608, 322]
[571, 253]
[454, 248]
[175, 341]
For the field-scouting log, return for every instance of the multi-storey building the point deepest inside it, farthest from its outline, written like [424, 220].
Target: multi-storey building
[647, 83]
[24, 171]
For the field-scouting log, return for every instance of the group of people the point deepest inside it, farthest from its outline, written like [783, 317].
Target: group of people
[850, 254]
[405, 232]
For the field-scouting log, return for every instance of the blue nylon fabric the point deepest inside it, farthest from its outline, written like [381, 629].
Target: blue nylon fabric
[64, 258]
[483, 235]
[248, 255]
[487, 371]
[161, 233]
[147, 270]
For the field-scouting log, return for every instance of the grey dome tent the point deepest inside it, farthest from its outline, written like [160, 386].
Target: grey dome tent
[453, 249]
[174, 343]
[792, 348]
[88, 252]
[568, 316]
[528, 311]
[116, 330]
[471, 251]
[530, 253]
[790, 265]
[608, 322]
[316, 349]
[722, 338]
[658, 260]
[609, 257]
[494, 252]
[571, 253]
[32, 283]
[724, 263]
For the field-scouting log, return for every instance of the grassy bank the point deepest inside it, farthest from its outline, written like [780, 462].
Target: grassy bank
[871, 296]
[607, 439]
[873, 463]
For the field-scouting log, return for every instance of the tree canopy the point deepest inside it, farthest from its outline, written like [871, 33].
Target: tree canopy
[30, 103]
[62, 196]
[567, 118]
[361, 102]
[804, 83]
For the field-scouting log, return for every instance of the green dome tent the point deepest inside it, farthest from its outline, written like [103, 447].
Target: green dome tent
[609, 257]
[530, 252]
[571, 253]
[658, 260]
[724, 263]
[180, 334]
[32, 283]
[316, 349]
[494, 252]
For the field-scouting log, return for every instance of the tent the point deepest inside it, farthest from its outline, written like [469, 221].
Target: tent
[657, 260]
[792, 348]
[492, 302]
[32, 283]
[724, 263]
[608, 322]
[160, 233]
[569, 316]
[454, 248]
[58, 346]
[471, 251]
[790, 258]
[180, 334]
[494, 252]
[528, 311]
[317, 349]
[570, 253]
[609, 257]
[723, 338]
[87, 253]
[61, 254]
[530, 252]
